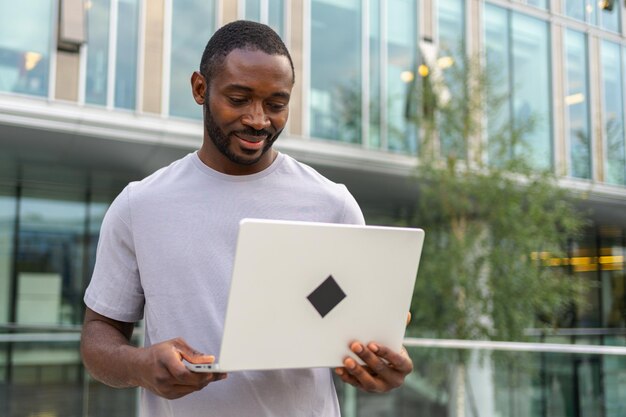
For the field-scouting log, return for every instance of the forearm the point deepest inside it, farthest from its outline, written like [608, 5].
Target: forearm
[108, 355]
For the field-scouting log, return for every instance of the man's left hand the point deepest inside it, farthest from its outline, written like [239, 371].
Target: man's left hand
[383, 370]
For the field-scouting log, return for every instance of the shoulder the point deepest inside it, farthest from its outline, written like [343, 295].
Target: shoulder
[309, 175]
[162, 180]
[308, 181]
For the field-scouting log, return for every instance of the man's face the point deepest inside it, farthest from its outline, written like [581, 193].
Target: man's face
[246, 106]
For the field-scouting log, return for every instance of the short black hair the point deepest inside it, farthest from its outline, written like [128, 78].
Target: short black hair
[241, 34]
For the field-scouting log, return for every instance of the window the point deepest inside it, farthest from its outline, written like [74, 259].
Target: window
[375, 74]
[335, 89]
[591, 12]
[577, 105]
[126, 54]
[613, 110]
[103, 59]
[193, 23]
[451, 34]
[25, 43]
[401, 62]
[270, 12]
[517, 46]
[7, 226]
[97, 52]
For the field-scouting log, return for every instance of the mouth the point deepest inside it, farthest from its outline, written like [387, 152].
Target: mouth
[250, 142]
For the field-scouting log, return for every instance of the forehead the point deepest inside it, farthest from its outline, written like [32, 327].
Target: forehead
[254, 69]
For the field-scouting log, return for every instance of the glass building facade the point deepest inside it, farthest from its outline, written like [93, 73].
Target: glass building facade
[76, 126]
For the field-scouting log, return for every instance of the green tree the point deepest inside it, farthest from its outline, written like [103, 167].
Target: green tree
[493, 221]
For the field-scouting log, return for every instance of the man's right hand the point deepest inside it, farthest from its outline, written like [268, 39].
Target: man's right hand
[110, 358]
[161, 369]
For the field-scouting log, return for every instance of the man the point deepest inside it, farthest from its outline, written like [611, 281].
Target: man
[167, 245]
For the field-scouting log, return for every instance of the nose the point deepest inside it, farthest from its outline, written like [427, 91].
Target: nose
[256, 117]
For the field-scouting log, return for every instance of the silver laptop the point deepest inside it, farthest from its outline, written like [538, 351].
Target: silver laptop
[301, 292]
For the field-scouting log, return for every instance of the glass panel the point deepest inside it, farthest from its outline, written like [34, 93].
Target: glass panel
[192, 26]
[276, 16]
[335, 90]
[577, 104]
[498, 50]
[611, 259]
[45, 379]
[127, 54]
[583, 253]
[48, 379]
[374, 131]
[451, 23]
[25, 43]
[50, 259]
[253, 10]
[531, 86]
[542, 4]
[97, 52]
[615, 168]
[575, 9]
[401, 61]
[613, 377]
[455, 383]
[7, 234]
[609, 20]
[590, 11]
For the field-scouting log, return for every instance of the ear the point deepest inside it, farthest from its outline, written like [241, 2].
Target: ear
[198, 87]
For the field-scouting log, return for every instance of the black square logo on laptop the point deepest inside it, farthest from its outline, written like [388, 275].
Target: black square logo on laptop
[326, 297]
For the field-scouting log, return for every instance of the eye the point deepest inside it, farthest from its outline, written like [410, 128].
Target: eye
[238, 101]
[274, 106]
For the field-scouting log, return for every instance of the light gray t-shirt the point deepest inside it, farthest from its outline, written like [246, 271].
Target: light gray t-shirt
[166, 252]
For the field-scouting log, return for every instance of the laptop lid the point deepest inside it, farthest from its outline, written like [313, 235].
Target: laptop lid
[301, 292]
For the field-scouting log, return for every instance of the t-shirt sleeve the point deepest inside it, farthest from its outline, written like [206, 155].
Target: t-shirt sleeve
[352, 213]
[115, 289]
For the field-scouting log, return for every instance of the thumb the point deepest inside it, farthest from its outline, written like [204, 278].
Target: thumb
[408, 318]
[192, 355]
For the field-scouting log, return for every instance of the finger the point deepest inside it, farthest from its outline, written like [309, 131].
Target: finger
[408, 318]
[346, 377]
[190, 354]
[398, 360]
[373, 361]
[364, 379]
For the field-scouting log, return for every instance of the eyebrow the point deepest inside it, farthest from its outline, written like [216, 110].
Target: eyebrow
[239, 87]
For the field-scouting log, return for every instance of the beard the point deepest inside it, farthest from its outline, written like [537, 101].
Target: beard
[222, 140]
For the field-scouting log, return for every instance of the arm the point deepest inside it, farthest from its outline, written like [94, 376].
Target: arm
[111, 359]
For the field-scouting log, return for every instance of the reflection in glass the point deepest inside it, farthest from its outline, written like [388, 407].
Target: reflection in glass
[192, 26]
[50, 257]
[451, 24]
[517, 47]
[276, 16]
[401, 61]
[375, 97]
[97, 52]
[450, 382]
[613, 124]
[335, 90]
[127, 54]
[270, 12]
[25, 36]
[577, 104]
[253, 10]
[7, 226]
[542, 4]
[589, 11]
[497, 51]
[531, 86]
